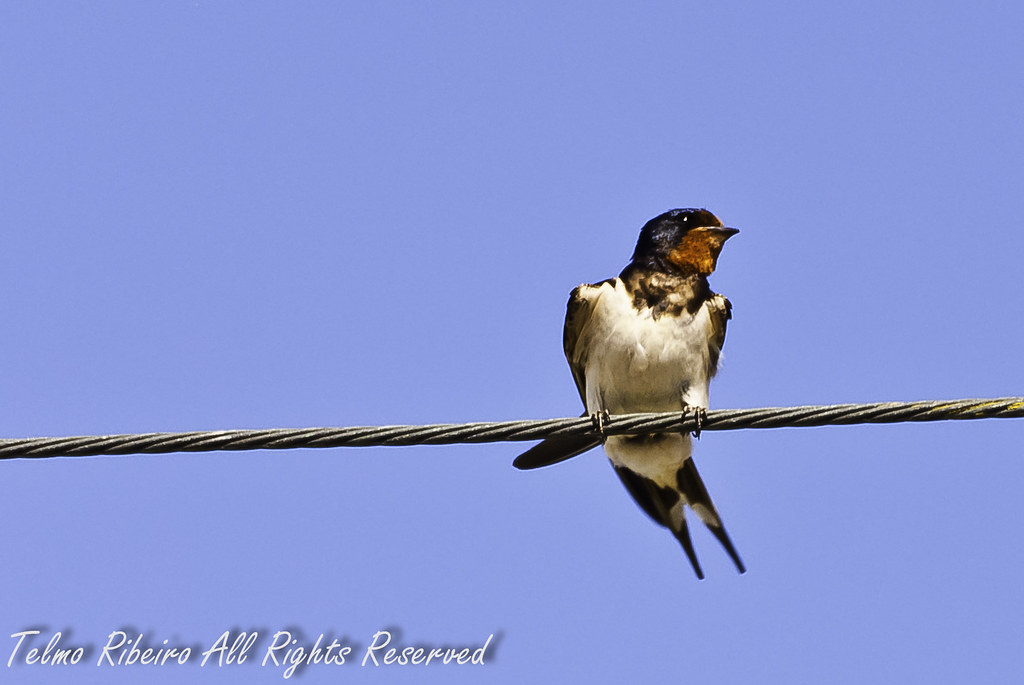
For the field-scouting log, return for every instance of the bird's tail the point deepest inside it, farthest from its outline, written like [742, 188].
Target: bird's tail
[667, 506]
[696, 495]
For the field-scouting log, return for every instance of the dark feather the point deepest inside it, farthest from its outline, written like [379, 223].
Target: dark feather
[696, 495]
[721, 311]
[554, 450]
[577, 314]
[657, 502]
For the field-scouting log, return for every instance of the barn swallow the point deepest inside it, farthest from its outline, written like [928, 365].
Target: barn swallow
[649, 341]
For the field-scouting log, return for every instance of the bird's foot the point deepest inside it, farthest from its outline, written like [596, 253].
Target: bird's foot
[600, 419]
[700, 416]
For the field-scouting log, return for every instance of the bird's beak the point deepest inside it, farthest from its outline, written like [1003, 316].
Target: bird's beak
[724, 233]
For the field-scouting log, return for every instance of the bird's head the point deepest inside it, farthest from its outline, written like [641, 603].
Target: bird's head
[685, 241]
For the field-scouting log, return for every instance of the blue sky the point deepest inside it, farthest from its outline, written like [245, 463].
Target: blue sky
[227, 215]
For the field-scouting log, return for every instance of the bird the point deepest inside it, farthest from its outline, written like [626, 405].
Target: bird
[649, 340]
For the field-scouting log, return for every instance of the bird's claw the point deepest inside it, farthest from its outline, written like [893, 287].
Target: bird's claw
[600, 419]
[700, 417]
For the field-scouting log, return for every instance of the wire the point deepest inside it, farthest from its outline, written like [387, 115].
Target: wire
[501, 431]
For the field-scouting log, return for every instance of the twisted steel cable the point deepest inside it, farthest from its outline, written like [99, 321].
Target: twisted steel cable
[501, 431]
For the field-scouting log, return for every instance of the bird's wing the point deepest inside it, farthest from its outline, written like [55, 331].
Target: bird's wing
[578, 311]
[553, 450]
[720, 310]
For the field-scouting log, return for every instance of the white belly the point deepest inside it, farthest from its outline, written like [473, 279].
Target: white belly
[657, 457]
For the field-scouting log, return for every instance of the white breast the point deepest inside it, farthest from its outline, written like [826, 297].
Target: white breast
[639, 363]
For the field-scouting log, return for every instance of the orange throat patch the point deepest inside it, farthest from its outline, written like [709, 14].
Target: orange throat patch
[698, 251]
